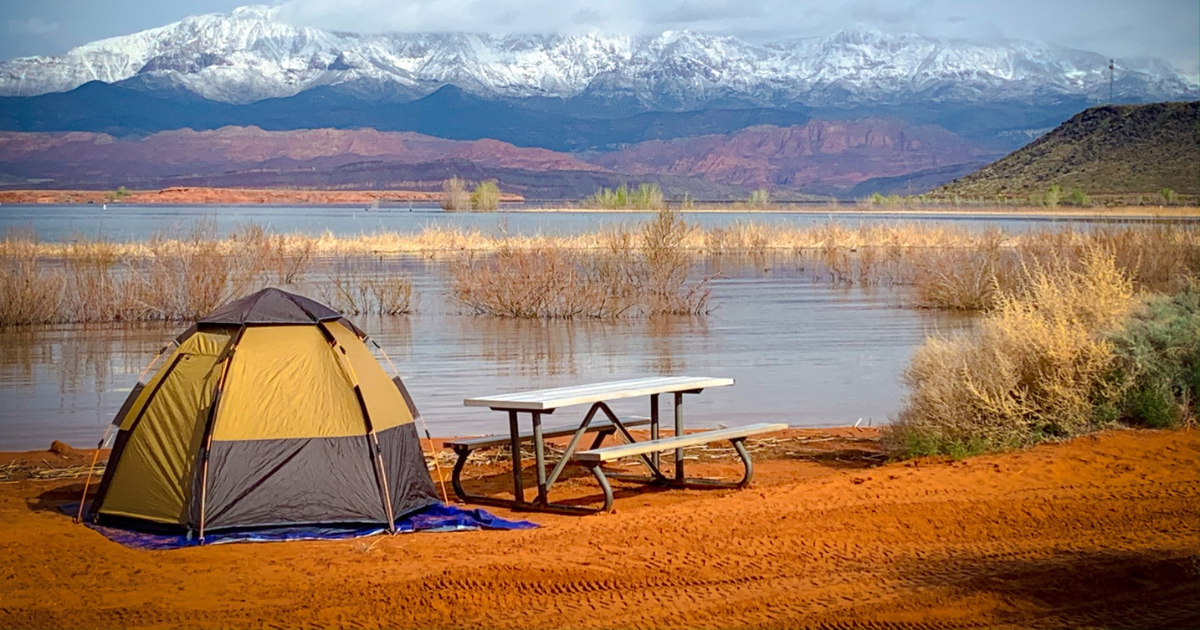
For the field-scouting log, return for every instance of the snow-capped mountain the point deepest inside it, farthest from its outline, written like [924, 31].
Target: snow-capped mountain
[249, 55]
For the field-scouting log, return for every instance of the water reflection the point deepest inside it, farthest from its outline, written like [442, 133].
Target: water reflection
[802, 352]
[66, 383]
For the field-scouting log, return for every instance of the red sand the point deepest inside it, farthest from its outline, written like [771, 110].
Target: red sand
[1100, 531]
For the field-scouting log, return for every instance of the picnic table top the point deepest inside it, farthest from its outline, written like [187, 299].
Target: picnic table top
[546, 399]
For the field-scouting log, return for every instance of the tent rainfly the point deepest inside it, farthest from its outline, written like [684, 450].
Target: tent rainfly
[270, 411]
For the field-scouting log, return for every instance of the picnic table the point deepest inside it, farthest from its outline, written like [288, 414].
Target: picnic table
[538, 403]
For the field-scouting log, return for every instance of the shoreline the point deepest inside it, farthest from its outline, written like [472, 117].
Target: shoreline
[203, 196]
[221, 197]
[826, 536]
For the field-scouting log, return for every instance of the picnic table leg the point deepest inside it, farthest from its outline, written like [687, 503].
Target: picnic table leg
[515, 444]
[539, 451]
[594, 467]
[654, 425]
[678, 433]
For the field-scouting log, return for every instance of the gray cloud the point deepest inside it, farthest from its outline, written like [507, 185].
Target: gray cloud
[1151, 28]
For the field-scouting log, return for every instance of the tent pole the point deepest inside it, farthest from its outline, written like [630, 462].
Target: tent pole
[432, 451]
[108, 431]
[340, 353]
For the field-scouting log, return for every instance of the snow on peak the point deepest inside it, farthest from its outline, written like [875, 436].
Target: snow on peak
[248, 55]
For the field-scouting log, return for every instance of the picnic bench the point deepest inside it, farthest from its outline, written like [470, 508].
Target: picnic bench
[545, 401]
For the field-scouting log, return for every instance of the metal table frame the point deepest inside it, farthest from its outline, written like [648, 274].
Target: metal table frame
[545, 482]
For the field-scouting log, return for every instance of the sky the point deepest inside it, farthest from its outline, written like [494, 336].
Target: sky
[1169, 29]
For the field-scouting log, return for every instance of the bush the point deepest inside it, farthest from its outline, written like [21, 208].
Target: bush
[1078, 198]
[644, 197]
[760, 198]
[1036, 368]
[1158, 361]
[1053, 196]
[486, 196]
[120, 193]
[454, 195]
[560, 283]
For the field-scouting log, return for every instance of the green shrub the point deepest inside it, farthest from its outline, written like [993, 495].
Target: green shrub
[644, 197]
[1053, 196]
[1158, 361]
[486, 196]
[760, 198]
[1168, 196]
[1078, 198]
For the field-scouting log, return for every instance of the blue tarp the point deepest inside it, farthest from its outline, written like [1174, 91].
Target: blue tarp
[435, 518]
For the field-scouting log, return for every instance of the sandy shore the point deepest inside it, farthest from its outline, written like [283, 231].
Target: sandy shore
[272, 196]
[1100, 531]
[227, 196]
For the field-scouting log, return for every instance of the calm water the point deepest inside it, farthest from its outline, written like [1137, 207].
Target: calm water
[121, 223]
[802, 352]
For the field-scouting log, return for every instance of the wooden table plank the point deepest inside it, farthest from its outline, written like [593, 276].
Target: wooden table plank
[544, 399]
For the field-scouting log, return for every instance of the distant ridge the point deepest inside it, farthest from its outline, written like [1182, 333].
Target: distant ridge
[1108, 150]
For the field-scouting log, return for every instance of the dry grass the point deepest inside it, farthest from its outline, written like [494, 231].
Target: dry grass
[356, 290]
[1035, 368]
[166, 279]
[644, 274]
[947, 267]
[30, 293]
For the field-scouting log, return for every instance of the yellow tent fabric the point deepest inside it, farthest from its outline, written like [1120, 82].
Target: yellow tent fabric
[272, 411]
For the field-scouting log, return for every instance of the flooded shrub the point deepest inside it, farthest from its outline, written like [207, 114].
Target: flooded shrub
[1035, 368]
[556, 282]
[965, 279]
[454, 195]
[284, 258]
[645, 197]
[486, 196]
[358, 291]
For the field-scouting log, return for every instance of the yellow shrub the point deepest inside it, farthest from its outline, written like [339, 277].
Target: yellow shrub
[1033, 369]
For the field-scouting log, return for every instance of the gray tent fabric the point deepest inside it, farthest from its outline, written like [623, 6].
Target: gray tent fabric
[261, 483]
[273, 306]
[409, 483]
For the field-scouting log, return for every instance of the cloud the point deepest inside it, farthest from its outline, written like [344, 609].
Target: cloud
[32, 26]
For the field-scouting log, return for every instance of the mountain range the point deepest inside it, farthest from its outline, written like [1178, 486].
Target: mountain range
[852, 113]
[248, 55]
[820, 156]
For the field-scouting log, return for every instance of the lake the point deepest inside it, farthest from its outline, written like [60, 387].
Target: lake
[122, 223]
[802, 351]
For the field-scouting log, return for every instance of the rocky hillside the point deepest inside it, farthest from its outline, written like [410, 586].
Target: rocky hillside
[824, 156]
[821, 157]
[1110, 150]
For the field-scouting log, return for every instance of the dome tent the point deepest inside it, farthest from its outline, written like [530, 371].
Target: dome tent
[269, 412]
